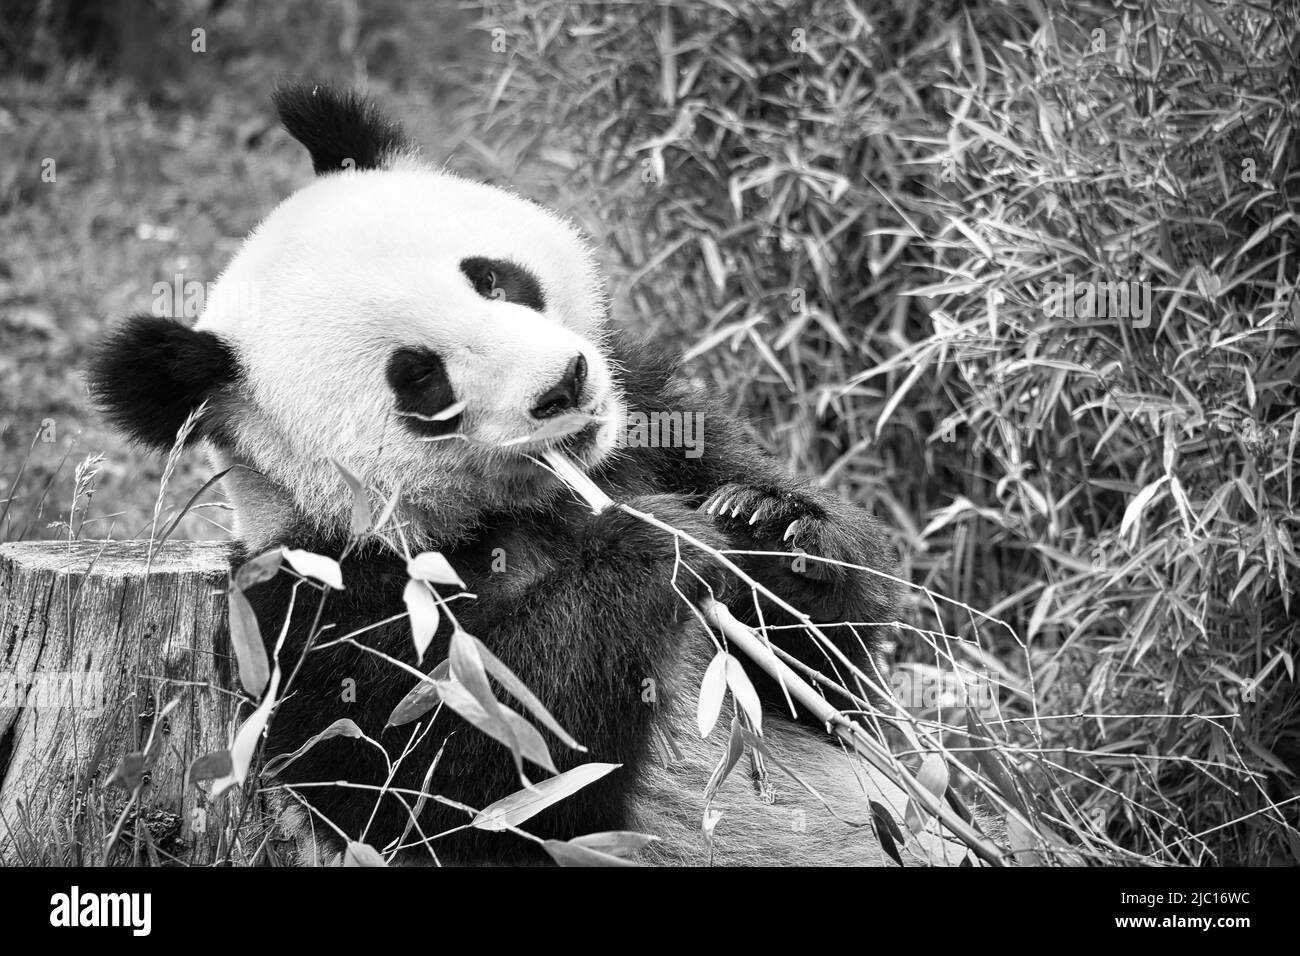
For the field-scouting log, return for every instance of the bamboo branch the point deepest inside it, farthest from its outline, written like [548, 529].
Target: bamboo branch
[720, 617]
[872, 751]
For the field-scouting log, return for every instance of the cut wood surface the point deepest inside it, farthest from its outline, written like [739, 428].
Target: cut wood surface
[95, 641]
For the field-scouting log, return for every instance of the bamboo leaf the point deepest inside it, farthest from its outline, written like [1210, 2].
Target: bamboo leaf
[575, 854]
[615, 842]
[742, 690]
[525, 804]
[887, 831]
[713, 688]
[316, 566]
[422, 609]
[261, 568]
[420, 699]
[1133, 513]
[933, 776]
[362, 854]
[517, 689]
[433, 568]
[361, 518]
[246, 638]
[342, 727]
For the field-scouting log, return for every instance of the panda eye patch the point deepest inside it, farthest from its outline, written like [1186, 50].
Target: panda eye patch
[422, 390]
[504, 280]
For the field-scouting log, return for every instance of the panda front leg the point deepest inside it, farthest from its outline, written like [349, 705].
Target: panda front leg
[610, 611]
[761, 507]
[805, 523]
[852, 605]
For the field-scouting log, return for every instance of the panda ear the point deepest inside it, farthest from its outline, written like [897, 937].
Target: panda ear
[340, 128]
[149, 374]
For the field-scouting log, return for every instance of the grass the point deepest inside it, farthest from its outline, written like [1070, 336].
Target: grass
[138, 198]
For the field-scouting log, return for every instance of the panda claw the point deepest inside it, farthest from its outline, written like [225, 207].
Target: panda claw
[789, 532]
[754, 518]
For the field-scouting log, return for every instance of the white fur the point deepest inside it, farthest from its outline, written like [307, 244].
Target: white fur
[358, 264]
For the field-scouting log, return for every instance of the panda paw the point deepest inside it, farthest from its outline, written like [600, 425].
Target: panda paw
[640, 542]
[777, 519]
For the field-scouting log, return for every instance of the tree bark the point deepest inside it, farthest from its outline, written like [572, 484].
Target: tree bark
[95, 641]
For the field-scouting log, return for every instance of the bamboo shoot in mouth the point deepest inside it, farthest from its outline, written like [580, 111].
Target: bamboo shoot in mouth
[567, 470]
[564, 426]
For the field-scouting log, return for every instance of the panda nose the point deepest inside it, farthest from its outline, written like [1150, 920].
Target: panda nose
[565, 393]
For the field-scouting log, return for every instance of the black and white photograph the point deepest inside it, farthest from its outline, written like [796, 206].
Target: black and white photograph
[710, 434]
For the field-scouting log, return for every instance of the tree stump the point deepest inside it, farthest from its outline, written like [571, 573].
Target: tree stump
[95, 641]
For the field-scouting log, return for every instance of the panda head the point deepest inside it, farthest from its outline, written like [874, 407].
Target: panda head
[427, 332]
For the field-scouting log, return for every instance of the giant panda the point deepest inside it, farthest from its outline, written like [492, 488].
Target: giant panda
[385, 294]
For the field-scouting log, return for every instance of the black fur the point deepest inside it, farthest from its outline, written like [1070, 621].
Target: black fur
[502, 279]
[150, 373]
[596, 620]
[420, 383]
[734, 468]
[582, 611]
[340, 128]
